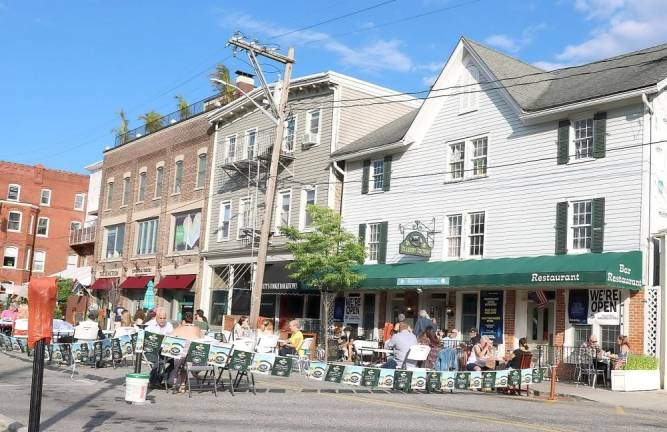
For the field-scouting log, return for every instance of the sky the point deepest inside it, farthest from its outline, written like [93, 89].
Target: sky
[68, 66]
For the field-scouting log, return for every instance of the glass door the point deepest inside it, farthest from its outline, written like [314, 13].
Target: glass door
[540, 324]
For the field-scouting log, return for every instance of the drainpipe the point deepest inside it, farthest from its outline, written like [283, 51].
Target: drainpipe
[649, 109]
[335, 166]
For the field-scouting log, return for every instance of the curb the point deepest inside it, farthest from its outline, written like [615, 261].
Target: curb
[562, 395]
[10, 425]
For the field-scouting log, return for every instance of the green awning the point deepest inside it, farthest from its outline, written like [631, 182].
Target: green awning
[614, 269]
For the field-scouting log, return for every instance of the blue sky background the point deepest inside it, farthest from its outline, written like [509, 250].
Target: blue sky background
[67, 67]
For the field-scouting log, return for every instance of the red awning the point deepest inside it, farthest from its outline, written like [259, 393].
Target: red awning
[176, 282]
[136, 282]
[103, 284]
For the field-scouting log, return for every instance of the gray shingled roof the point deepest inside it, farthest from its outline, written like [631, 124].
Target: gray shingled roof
[619, 74]
[385, 135]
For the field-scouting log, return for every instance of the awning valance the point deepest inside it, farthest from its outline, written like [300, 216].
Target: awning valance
[103, 284]
[615, 269]
[136, 282]
[176, 282]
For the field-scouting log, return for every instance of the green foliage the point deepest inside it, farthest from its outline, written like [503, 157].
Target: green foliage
[641, 362]
[123, 127]
[228, 93]
[64, 291]
[324, 256]
[153, 122]
[183, 107]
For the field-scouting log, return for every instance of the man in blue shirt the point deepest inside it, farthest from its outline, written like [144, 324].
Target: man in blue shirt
[400, 343]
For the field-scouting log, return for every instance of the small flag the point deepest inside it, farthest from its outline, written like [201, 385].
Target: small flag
[542, 300]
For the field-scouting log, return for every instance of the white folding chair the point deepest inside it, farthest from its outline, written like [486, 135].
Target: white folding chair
[416, 353]
[302, 361]
[267, 344]
[364, 348]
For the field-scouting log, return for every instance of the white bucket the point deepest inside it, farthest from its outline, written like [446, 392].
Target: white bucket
[136, 387]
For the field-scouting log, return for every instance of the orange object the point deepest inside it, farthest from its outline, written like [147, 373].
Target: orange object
[388, 329]
[41, 305]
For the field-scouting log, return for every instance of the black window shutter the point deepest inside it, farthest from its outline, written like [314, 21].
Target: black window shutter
[382, 249]
[600, 135]
[362, 234]
[561, 228]
[365, 176]
[597, 241]
[563, 141]
[386, 184]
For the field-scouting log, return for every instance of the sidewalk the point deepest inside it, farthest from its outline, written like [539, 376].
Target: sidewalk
[644, 400]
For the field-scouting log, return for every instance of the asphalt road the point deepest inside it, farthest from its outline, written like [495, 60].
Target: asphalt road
[94, 401]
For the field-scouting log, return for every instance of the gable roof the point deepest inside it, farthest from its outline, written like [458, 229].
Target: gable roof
[391, 133]
[550, 89]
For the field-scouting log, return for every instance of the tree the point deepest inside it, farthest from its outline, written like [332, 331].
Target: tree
[153, 121]
[324, 256]
[122, 129]
[221, 73]
[183, 107]
[64, 291]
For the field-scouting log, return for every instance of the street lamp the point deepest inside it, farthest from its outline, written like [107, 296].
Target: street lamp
[273, 119]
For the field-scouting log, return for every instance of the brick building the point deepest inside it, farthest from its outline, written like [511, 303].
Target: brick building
[38, 208]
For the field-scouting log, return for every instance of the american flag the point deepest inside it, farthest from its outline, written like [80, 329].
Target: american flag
[542, 300]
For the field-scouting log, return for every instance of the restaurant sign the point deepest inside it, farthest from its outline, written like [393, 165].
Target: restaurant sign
[415, 244]
[422, 281]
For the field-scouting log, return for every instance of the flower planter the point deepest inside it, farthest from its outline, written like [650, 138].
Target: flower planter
[635, 380]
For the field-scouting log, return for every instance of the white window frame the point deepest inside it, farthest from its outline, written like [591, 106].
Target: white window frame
[222, 221]
[279, 209]
[20, 220]
[303, 213]
[127, 185]
[41, 198]
[451, 161]
[18, 192]
[179, 184]
[105, 243]
[35, 269]
[571, 226]
[451, 236]
[48, 223]
[141, 187]
[372, 176]
[468, 158]
[290, 146]
[370, 243]
[147, 234]
[83, 201]
[484, 157]
[76, 261]
[243, 211]
[16, 257]
[231, 157]
[201, 179]
[466, 233]
[471, 235]
[246, 141]
[572, 148]
[159, 181]
[309, 129]
[468, 90]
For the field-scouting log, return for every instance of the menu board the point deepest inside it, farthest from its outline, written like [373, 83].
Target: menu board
[282, 366]
[489, 379]
[218, 355]
[173, 347]
[514, 378]
[352, 375]
[462, 380]
[433, 381]
[538, 375]
[501, 378]
[491, 315]
[335, 373]
[402, 380]
[370, 377]
[317, 370]
[418, 380]
[240, 360]
[198, 353]
[152, 342]
[448, 380]
[126, 349]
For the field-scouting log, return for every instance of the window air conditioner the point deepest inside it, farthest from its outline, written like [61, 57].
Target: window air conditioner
[310, 139]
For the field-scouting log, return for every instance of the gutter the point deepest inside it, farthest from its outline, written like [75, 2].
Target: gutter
[361, 153]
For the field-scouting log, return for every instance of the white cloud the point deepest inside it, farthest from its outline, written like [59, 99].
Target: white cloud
[428, 81]
[514, 45]
[374, 56]
[550, 65]
[503, 42]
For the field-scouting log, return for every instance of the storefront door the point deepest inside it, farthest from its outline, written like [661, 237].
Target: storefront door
[540, 323]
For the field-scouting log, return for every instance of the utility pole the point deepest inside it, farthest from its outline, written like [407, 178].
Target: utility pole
[254, 49]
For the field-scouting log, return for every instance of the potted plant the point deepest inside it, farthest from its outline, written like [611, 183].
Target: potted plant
[639, 373]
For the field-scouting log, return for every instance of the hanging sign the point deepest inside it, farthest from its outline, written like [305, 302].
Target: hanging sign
[604, 306]
[415, 244]
[491, 315]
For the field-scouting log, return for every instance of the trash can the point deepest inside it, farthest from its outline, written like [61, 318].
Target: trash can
[136, 387]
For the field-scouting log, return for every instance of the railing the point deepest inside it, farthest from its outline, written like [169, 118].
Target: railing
[83, 235]
[245, 150]
[170, 119]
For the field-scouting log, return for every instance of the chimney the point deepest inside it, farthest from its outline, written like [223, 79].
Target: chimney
[245, 81]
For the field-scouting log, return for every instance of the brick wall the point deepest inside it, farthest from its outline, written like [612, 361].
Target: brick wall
[636, 322]
[559, 337]
[510, 312]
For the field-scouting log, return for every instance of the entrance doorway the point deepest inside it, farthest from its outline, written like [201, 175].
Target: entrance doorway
[540, 329]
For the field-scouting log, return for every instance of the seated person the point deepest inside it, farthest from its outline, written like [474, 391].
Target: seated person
[623, 352]
[479, 355]
[293, 345]
[160, 324]
[514, 358]
[126, 326]
[90, 323]
[345, 343]
[400, 343]
[10, 314]
[592, 352]
[266, 329]
[188, 331]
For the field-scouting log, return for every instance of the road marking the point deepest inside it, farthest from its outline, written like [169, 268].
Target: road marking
[619, 410]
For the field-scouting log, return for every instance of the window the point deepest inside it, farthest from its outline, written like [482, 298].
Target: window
[373, 242]
[42, 226]
[377, 175]
[454, 235]
[283, 210]
[479, 147]
[581, 334]
[289, 134]
[468, 311]
[201, 170]
[147, 237]
[582, 225]
[10, 260]
[230, 156]
[74, 225]
[583, 138]
[39, 262]
[159, 178]
[114, 236]
[468, 90]
[312, 127]
[13, 192]
[457, 160]
[477, 234]
[250, 142]
[126, 192]
[45, 199]
[141, 192]
[309, 196]
[72, 262]
[186, 231]
[608, 336]
[245, 215]
[178, 176]
[14, 221]
[109, 195]
[225, 217]
[79, 201]
[27, 259]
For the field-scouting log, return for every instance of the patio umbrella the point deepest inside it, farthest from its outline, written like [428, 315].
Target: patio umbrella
[149, 297]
